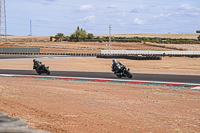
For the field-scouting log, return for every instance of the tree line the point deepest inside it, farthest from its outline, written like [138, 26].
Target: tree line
[81, 35]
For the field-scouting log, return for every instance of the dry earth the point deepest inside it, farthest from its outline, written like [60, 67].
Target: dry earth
[85, 47]
[164, 35]
[46, 46]
[71, 106]
[185, 47]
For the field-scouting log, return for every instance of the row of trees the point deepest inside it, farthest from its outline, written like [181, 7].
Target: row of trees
[78, 36]
[81, 35]
[154, 40]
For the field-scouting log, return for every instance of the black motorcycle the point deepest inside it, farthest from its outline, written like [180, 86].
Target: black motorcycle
[40, 68]
[120, 70]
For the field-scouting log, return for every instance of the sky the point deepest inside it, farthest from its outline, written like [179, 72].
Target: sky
[49, 17]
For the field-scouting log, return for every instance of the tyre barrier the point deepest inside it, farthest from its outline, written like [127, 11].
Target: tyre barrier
[144, 56]
[132, 57]
[181, 55]
[15, 125]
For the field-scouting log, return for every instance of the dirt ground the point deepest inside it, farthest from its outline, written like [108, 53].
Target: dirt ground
[43, 42]
[84, 47]
[164, 35]
[168, 65]
[184, 47]
[71, 106]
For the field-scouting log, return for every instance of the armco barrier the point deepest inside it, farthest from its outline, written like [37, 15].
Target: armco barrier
[15, 125]
[132, 57]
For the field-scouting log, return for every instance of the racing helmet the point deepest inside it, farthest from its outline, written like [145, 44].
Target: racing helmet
[114, 60]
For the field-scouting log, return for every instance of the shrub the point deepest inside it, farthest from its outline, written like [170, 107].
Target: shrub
[198, 31]
[79, 35]
[100, 40]
[90, 36]
[66, 38]
[51, 38]
[199, 38]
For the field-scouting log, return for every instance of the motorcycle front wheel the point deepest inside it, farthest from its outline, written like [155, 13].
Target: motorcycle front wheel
[129, 76]
[119, 76]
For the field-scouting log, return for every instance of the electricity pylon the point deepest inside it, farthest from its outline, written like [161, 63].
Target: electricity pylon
[3, 29]
[110, 38]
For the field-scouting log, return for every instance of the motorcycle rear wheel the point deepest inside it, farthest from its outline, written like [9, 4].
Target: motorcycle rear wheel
[47, 72]
[119, 76]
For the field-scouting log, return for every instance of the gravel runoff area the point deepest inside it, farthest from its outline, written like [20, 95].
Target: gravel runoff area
[61, 106]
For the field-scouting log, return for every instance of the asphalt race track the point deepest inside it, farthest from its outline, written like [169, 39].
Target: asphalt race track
[109, 75]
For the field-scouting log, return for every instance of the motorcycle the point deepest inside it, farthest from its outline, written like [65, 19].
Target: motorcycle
[40, 68]
[120, 70]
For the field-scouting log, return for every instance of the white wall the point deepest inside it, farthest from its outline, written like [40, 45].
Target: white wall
[150, 52]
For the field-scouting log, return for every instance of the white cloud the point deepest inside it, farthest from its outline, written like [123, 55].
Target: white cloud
[114, 11]
[138, 21]
[87, 8]
[117, 13]
[189, 7]
[162, 15]
[186, 7]
[183, 10]
[195, 14]
[89, 18]
[112, 6]
[140, 8]
[188, 10]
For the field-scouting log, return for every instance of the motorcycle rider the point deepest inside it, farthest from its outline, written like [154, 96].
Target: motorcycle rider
[40, 68]
[117, 66]
[37, 64]
[120, 70]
